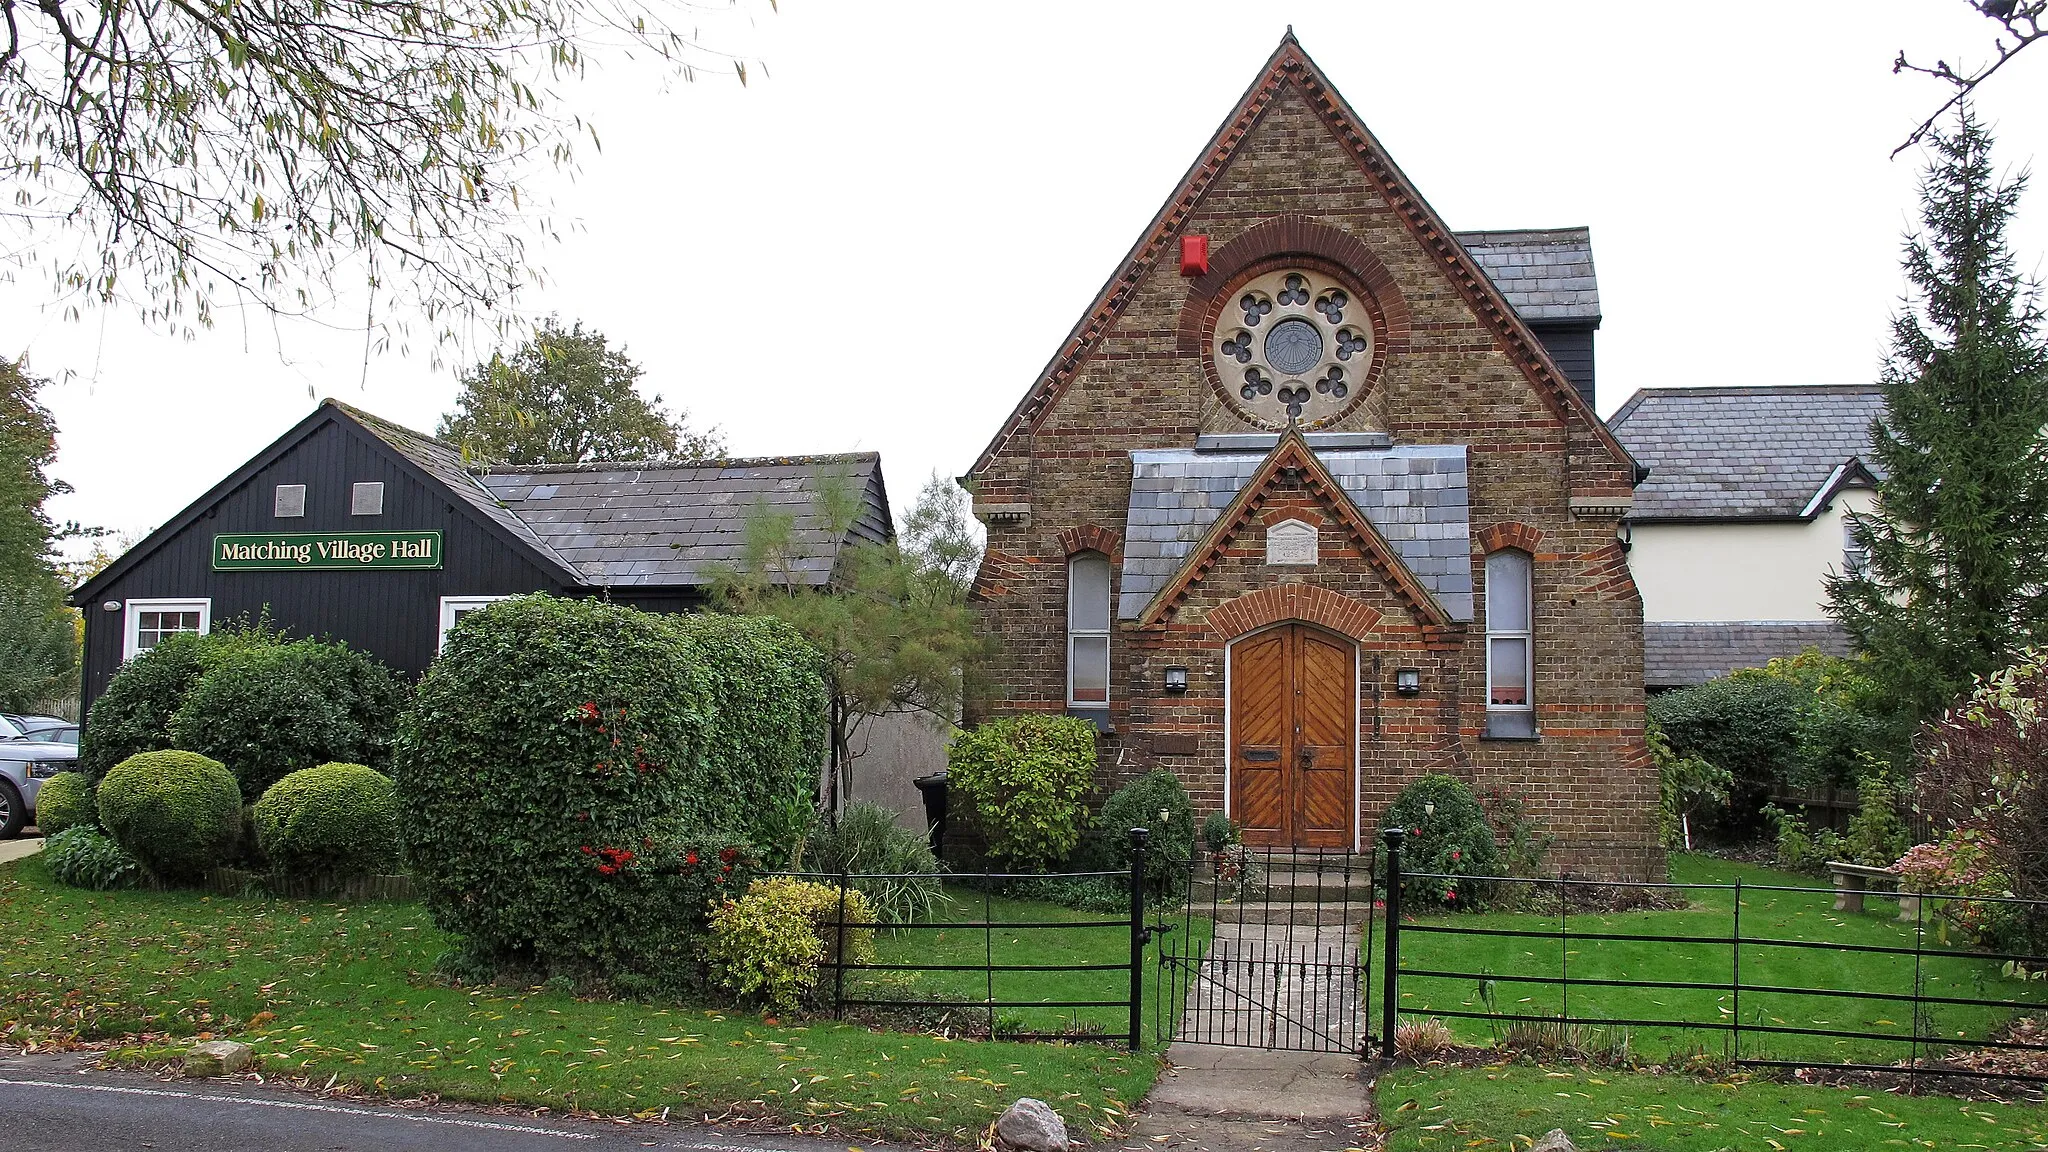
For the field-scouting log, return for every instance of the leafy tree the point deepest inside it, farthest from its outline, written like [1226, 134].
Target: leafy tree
[1952, 586]
[893, 624]
[214, 154]
[566, 397]
[38, 639]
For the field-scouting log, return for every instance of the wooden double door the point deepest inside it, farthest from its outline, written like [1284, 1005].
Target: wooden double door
[1293, 721]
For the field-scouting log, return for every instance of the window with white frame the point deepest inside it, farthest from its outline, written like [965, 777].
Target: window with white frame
[1855, 557]
[1509, 708]
[454, 608]
[1088, 631]
[150, 622]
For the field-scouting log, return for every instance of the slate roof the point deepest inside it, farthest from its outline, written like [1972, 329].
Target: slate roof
[1677, 655]
[1744, 453]
[1545, 273]
[1416, 496]
[671, 524]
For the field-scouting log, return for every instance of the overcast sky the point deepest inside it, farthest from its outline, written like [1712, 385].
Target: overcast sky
[880, 242]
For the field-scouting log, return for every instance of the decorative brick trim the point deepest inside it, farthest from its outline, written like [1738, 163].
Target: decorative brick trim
[1292, 456]
[1306, 602]
[1290, 67]
[991, 580]
[1509, 534]
[1090, 538]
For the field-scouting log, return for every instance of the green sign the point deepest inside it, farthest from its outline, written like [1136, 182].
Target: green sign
[273, 551]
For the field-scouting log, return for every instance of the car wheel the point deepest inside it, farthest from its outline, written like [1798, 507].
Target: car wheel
[13, 813]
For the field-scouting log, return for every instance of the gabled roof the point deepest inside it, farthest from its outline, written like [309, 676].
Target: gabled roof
[411, 452]
[1293, 455]
[1546, 273]
[1416, 496]
[668, 523]
[1748, 453]
[1290, 67]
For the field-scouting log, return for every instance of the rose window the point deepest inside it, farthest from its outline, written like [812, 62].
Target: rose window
[1292, 346]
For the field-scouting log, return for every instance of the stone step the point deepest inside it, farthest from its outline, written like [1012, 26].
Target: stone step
[1283, 913]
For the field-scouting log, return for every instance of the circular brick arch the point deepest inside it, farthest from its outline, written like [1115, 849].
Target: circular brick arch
[1308, 603]
[1510, 534]
[1294, 236]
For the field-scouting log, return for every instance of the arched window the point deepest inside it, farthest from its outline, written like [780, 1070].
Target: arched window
[1088, 630]
[1510, 709]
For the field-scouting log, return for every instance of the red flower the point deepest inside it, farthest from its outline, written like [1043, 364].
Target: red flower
[1455, 854]
[1416, 831]
[1451, 895]
[728, 854]
[588, 713]
[607, 869]
[586, 849]
[690, 859]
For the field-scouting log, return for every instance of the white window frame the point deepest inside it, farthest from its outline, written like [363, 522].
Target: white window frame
[1527, 636]
[131, 623]
[1854, 559]
[450, 605]
[1074, 634]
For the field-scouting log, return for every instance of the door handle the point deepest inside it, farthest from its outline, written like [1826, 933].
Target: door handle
[1308, 756]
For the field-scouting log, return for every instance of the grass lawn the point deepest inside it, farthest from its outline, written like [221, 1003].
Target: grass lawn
[1779, 915]
[325, 989]
[947, 939]
[1510, 1106]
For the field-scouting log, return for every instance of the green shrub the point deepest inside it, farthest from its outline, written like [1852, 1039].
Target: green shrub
[1219, 832]
[1082, 893]
[1020, 779]
[767, 947]
[267, 711]
[66, 800]
[178, 813]
[1448, 835]
[85, 857]
[1748, 727]
[329, 823]
[566, 779]
[868, 840]
[1686, 786]
[1171, 843]
[1877, 832]
[1798, 849]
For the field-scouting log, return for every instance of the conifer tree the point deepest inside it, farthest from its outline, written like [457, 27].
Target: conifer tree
[1959, 535]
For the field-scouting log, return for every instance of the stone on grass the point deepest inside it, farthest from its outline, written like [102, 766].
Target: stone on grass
[218, 1058]
[1554, 1141]
[1031, 1126]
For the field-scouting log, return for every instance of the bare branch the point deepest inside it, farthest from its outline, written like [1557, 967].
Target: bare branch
[2020, 24]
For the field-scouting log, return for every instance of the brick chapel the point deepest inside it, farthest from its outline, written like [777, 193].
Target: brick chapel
[1313, 500]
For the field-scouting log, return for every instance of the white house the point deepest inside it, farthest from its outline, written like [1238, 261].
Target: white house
[1742, 517]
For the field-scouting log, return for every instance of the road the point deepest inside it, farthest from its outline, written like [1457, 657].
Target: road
[54, 1103]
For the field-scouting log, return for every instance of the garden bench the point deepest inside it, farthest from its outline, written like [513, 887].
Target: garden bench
[1853, 880]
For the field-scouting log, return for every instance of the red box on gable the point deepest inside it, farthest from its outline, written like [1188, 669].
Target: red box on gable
[1194, 255]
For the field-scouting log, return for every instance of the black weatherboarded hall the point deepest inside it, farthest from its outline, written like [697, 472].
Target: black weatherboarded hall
[354, 528]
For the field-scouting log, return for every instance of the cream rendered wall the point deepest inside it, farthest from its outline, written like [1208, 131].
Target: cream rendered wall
[1760, 571]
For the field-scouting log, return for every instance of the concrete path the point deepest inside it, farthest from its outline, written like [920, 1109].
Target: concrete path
[1290, 986]
[17, 848]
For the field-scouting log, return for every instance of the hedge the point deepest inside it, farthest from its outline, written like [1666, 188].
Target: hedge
[329, 824]
[267, 711]
[178, 813]
[565, 778]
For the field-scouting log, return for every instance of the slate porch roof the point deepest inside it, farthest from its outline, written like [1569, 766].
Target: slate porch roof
[671, 524]
[1677, 655]
[1416, 496]
[1744, 453]
[1545, 273]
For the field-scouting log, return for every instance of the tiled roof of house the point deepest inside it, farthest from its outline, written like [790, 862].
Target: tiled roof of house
[1546, 273]
[1416, 496]
[1744, 453]
[664, 523]
[1677, 655]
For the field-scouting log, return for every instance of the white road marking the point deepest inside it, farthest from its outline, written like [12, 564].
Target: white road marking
[302, 1106]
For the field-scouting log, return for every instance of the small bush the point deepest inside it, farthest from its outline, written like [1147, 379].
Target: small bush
[1218, 832]
[1798, 849]
[66, 800]
[85, 857]
[329, 823]
[1686, 787]
[1171, 843]
[1081, 893]
[268, 711]
[768, 946]
[1746, 726]
[1877, 832]
[1963, 864]
[1447, 834]
[1021, 780]
[868, 840]
[178, 813]
[1421, 1040]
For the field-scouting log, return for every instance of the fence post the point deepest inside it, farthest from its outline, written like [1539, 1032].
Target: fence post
[1138, 837]
[1390, 983]
[839, 954]
[1735, 980]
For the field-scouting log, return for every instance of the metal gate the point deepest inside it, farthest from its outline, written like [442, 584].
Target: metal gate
[1287, 961]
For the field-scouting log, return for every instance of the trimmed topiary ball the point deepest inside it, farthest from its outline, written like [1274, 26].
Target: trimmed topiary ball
[329, 823]
[66, 801]
[1448, 834]
[178, 813]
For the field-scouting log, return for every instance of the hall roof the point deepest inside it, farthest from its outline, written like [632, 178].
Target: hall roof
[1676, 655]
[1545, 273]
[1748, 452]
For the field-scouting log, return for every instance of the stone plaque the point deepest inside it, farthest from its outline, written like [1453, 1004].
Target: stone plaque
[1291, 542]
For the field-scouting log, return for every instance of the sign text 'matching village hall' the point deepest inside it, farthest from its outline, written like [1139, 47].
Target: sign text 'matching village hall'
[301, 550]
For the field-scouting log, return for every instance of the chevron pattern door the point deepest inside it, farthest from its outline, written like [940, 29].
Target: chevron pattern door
[1293, 709]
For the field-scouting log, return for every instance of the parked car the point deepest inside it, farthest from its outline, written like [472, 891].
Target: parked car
[25, 762]
[54, 729]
